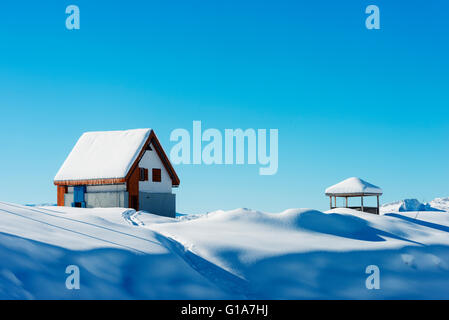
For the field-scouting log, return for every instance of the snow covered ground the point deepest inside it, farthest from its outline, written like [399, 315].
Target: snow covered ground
[116, 259]
[242, 253]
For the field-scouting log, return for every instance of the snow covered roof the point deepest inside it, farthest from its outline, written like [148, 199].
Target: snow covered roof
[353, 187]
[103, 155]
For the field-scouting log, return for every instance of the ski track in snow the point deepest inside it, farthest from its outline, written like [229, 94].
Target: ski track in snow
[229, 282]
[224, 279]
[103, 229]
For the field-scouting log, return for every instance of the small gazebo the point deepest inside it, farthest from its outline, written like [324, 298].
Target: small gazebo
[354, 187]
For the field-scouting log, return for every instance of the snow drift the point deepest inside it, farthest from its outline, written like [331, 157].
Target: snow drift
[116, 260]
[240, 254]
[307, 254]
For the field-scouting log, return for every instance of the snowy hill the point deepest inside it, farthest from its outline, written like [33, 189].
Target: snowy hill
[116, 260]
[295, 254]
[307, 254]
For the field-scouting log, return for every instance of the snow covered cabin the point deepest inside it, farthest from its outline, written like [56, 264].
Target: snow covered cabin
[354, 187]
[126, 169]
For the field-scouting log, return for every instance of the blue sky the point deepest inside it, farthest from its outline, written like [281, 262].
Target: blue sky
[347, 101]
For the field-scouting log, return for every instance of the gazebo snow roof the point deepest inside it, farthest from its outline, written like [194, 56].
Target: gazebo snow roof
[353, 187]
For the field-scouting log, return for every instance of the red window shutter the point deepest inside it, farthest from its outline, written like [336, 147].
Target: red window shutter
[157, 175]
[146, 174]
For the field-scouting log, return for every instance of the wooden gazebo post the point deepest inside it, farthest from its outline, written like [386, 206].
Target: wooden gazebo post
[378, 205]
[362, 203]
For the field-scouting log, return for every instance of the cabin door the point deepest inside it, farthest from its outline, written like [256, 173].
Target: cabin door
[133, 189]
[78, 197]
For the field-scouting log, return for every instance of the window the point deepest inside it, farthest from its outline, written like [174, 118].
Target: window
[157, 175]
[143, 174]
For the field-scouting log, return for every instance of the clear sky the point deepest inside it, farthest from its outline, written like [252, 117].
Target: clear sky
[347, 101]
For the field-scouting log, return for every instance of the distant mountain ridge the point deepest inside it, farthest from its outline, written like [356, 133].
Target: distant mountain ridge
[438, 204]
